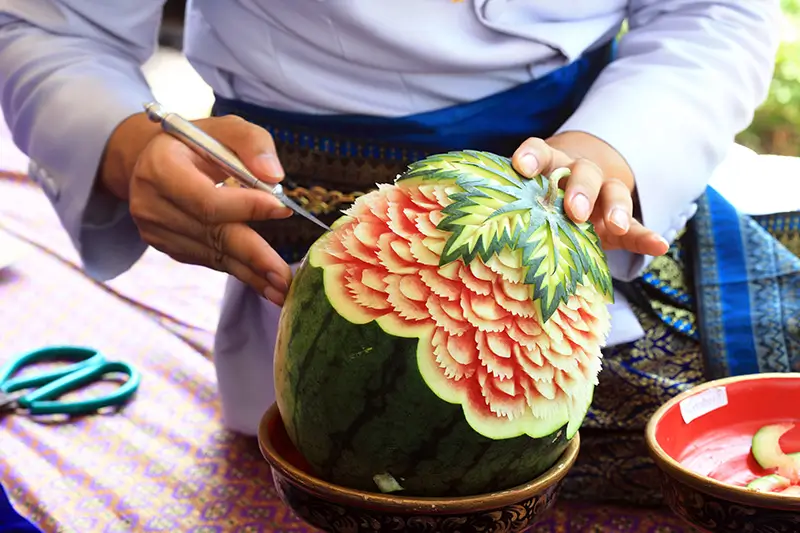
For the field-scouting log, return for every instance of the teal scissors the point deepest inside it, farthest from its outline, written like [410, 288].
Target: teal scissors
[39, 394]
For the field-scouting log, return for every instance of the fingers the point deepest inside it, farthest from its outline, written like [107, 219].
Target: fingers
[241, 243]
[152, 212]
[648, 242]
[616, 206]
[582, 189]
[234, 204]
[583, 186]
[232, 248]
[178, 209]
[253, 144]
[179, 179]
[638, 239]
[589, 195]
[614, 222]
[534, 156]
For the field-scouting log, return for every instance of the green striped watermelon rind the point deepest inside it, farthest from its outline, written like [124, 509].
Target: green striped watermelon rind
[378, 414]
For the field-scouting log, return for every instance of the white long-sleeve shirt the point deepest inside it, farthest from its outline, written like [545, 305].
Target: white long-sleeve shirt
[688, 77]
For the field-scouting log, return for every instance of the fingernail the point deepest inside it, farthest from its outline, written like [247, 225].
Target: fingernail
[528, 165]
[277, 281]
[663, 240]
[273, 296]
[620, 219]
[580, 206]
[269, 165]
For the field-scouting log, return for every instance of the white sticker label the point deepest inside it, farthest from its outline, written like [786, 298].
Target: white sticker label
[703, 403]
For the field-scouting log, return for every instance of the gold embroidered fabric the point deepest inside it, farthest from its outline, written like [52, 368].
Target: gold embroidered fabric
[636, 379]
[785, 227]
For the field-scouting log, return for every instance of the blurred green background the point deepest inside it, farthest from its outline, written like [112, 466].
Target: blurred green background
[776, 126]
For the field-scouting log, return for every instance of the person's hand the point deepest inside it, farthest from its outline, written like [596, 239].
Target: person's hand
[178, 209]
[600, 188]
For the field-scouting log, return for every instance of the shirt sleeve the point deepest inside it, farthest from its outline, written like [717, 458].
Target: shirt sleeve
[70, 72]
[688, 77]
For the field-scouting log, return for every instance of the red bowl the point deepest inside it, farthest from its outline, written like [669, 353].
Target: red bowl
[701, 440]
[338, 509]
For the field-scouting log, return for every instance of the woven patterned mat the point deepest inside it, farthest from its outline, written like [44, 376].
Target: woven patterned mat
[163, 463]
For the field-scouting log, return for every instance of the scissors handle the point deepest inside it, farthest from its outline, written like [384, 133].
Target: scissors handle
[82, 357]
[42, 401]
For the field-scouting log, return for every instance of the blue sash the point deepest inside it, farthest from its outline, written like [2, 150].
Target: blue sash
[748, 286]
[497, 123]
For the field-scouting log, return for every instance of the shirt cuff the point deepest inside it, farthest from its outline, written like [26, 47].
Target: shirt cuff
[99, 225]
[666, 198]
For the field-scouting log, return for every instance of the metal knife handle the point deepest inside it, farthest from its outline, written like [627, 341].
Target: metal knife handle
[208, 147]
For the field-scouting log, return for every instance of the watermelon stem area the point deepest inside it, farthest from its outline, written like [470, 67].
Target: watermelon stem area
[552, 189]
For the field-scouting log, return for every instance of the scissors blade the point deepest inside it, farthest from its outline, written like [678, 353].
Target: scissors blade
[291, 204]
[8, 401]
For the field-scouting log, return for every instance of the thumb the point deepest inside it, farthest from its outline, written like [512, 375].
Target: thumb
[252, 144]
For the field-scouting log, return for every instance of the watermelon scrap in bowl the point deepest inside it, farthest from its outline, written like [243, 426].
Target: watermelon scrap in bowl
[701, 440]
[767, 451]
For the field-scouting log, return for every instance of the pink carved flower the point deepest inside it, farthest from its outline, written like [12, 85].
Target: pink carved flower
[482, 340]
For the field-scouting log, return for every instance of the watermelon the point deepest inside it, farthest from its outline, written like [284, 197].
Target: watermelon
[769, 483]
[769, 455]
[444, 338]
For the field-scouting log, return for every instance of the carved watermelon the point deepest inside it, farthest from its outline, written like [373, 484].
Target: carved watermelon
[444, 339]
